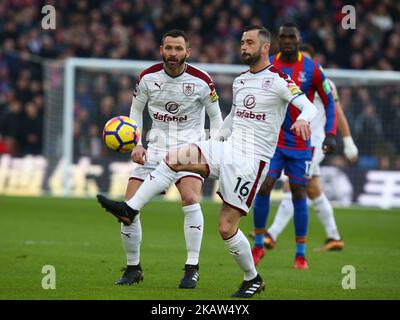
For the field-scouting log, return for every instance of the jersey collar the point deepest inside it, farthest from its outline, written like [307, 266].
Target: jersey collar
[299, 56]
[266, 68]
[184, 70]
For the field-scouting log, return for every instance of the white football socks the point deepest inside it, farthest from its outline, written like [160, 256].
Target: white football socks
[284, 214]
[324, 212]
[239, 248]
[193, 229]
[155, 183]
[131, 237]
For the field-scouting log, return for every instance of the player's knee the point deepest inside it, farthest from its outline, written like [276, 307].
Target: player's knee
[263, 190]
[286, 187]
[189, 198]
[313, 191]
[298, 191]
[266, 186]
[226, 229]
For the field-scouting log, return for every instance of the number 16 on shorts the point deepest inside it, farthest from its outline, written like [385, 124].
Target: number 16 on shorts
[241, 187]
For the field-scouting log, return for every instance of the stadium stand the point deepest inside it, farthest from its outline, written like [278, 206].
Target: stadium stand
[121, 29]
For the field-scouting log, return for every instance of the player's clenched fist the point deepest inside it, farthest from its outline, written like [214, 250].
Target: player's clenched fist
[301, 128]
[329, 144]
[139, 155]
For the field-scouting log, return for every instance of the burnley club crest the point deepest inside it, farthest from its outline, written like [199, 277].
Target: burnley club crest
[188, 88]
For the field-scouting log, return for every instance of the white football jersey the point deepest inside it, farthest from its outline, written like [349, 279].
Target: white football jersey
[260, 101]
[176, 105]
[318, 123]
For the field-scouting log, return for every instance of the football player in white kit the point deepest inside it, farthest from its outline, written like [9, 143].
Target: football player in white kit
[176, 95]
[260, 99]
[320, 202]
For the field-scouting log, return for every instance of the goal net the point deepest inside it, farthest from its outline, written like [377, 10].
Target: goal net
[82, 94]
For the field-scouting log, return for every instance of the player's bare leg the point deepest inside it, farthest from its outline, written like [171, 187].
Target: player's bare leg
[324, 212]
[193, 226]
[299, 199]
[240, 250]
[260, 216]
[188, 158]
[131, 236]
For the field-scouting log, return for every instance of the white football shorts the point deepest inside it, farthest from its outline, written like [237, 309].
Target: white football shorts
[239, 176]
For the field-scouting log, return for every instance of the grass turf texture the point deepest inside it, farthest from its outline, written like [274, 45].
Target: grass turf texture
[83, 243]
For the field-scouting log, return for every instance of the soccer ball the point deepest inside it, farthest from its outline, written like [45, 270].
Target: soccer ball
[121, 134]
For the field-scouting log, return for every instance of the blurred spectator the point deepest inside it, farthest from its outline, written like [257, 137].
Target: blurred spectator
[31, 127]
[368, 131]
[391, 120]
[10, 127]
[84, 98]
[106, 112]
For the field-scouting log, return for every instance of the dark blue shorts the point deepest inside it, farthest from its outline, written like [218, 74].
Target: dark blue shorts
[295, 162]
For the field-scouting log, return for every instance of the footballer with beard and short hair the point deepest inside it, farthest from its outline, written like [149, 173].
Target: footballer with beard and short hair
[175, 50]
[177, 95]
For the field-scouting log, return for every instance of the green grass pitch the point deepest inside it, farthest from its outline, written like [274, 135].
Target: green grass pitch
[83, 243]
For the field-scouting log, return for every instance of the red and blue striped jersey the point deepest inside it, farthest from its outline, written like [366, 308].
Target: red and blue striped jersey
[310, 78]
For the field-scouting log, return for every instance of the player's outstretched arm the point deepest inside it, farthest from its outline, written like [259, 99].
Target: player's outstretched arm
[289, 91]
[308, 112]
[350, 148]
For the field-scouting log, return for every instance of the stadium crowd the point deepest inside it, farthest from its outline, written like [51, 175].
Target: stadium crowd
[121, 29]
